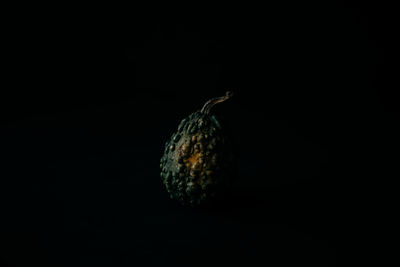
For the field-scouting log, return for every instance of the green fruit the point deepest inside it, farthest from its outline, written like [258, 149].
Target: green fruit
[197, 162]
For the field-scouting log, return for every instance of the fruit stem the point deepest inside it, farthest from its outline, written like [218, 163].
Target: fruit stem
[210, 103]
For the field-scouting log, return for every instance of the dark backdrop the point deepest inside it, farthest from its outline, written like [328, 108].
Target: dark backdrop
[89, 98]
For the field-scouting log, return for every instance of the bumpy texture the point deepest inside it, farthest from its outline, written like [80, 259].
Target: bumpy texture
[197, 162]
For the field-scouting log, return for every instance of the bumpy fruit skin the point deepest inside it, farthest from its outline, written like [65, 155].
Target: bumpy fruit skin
[197, 162]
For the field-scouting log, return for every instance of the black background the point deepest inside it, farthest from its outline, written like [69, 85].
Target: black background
[90, 97]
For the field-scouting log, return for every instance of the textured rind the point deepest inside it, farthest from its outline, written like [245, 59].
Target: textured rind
[196, 164]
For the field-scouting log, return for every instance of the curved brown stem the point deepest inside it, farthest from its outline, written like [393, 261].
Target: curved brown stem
[210, 103]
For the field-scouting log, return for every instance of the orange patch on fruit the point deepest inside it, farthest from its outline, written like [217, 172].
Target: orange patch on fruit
[194, 158]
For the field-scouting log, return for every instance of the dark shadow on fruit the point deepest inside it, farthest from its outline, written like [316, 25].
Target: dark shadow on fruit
[270, 203]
